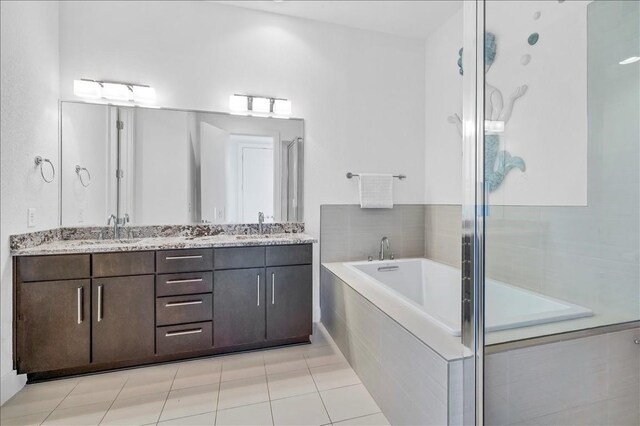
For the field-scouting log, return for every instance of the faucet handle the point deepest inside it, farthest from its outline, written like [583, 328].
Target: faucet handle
[110, 218]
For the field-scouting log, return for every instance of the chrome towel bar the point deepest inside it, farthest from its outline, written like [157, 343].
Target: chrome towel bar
[350, 175]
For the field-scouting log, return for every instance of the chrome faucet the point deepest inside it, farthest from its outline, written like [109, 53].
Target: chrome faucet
[384, 242]
[260, 222]
[118, 222]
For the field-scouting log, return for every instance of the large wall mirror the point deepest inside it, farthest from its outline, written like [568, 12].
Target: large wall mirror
[163, 166]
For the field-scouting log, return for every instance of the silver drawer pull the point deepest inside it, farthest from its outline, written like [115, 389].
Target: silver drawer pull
[388, 268]
[193, 280]
[273, 288]
[100, 302]
[80, 303]
[190, 302]
[182, 333]
[183, 257]
[258, 297]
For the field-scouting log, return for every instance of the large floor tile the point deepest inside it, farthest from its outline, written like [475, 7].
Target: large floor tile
[242, 366]
[190, 401]
[148, 381]
[197, 373]
[243, 392]
[349, 402]
[95, 389]
[290, 384]
[370, 420]
[34, 419]
[82, 415]
[255, 414]
[285, 360]
[206, 419]
[37, 398]
[300, 410]
[324, 355]
[138, 410]
[334, 376]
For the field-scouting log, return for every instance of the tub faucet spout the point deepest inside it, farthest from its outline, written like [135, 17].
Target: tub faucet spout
[384, 242]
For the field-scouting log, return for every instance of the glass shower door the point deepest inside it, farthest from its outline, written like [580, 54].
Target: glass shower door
[557, 230]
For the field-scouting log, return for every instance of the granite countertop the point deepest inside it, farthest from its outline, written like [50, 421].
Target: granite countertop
[162, 243]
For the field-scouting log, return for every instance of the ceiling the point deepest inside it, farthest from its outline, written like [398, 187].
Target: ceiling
[416, 19]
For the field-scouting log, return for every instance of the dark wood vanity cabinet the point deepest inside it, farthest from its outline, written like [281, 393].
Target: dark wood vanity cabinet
[239, 307]
[289, 302]
[53, 325]
[92, 312]
[122, 322]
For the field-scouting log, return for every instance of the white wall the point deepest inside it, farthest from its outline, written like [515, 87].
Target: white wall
[548, 127]
[361, 93]
[29, 127]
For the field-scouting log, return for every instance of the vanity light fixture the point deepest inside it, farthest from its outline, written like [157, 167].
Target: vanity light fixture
[630, 60]
[259, 105]
[115, 91]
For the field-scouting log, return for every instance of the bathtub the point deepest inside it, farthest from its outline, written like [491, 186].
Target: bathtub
[432, 290]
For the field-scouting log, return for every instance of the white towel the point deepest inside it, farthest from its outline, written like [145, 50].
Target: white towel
[376, 191]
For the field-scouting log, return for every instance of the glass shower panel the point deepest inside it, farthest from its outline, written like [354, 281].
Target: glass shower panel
[562, 212]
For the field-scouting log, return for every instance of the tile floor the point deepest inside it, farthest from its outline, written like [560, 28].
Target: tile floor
[300, 385]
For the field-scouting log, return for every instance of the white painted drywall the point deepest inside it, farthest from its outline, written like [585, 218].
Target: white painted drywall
[361, 93]
[548, 127]
[29, 70]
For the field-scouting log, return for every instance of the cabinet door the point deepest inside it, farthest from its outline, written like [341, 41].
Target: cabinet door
[123, 318]
[289, 302]
[53, 329]
[238, 307]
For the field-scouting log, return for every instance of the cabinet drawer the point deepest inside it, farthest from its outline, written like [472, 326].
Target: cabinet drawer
[289, 255]
[184, 260]
[51, 268]
[119, 264]
[239, 257]
[183, 309]
[185, 283]
[183, 338]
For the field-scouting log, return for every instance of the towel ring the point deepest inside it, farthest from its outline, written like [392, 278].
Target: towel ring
[79, 171]
[39, 162]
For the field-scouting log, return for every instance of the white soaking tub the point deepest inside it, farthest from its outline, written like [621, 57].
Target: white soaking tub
[433, 289]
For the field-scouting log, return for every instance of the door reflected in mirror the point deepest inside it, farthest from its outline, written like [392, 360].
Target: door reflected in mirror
[166, 167]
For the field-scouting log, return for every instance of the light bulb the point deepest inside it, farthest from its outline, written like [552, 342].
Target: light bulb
[261, 105]
[87, 89]
[282, 107]
[238, 103]
[117, 92]
[144, 94]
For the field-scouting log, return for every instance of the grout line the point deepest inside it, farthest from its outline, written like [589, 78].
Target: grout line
[215, 417]
[266, 377]
[168, 393]
[319, 394]
[65, 397]
[365, 415]
[114, 400]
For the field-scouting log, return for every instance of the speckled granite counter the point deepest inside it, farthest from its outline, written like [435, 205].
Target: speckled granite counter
[69, 240]
[162, 243]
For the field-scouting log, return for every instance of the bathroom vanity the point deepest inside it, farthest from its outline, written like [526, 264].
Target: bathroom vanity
[83, 306]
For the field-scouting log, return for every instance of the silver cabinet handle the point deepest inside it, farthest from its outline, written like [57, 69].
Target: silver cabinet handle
[273, 288]
[182, 333]
[100, 302]
[183, 257]
[258, 296]
[80, 304]
[189, 302]
[193, 280]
